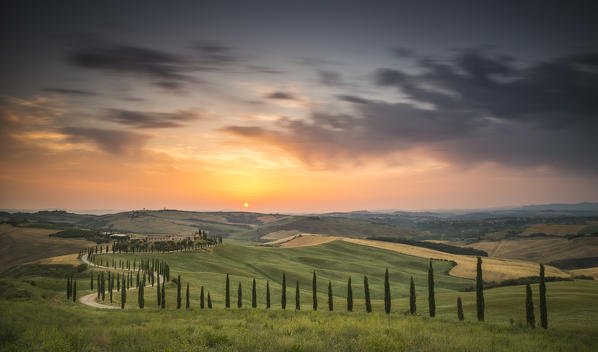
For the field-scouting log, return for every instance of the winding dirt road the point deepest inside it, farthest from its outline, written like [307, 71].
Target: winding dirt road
[90, 298]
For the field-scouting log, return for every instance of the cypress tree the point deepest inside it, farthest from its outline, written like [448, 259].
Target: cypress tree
[227, 296]
[209, 301]
[123, 296]
[330, 302]
[460, 309]
[68, 287]
[529, 307]
[75, 291]
[386, 292]
[91, 281]
[158, 294]
[480, 291]
[178, 292]
[268, 294]
[201, 300]
[253, 296]
[118, 282]
[110, 284]
[349, 296]
[240, 296]
[543, 309]
[297, 297]
[366, 288]
[103, 286]
[163, 302]
[283, 299]
[431, 299]
[314, 290]
[187, 297]
[142, 294]
[99, 287]
[412, 306]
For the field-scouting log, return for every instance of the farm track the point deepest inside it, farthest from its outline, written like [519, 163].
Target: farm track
[89, 299]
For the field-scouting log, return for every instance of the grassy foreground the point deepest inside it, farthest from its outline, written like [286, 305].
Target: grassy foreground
[64, 327]
[36, 316]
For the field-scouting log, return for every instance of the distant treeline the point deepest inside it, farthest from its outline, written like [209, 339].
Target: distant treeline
[529, 280]
[447, 248]
[90, 235]
[575, 263]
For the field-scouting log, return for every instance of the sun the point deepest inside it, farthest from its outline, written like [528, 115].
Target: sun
[246, 205]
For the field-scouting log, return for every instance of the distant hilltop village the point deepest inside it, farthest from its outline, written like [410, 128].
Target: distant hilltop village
[198, 235]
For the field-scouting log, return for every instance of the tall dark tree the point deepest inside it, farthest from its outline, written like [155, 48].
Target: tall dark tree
[431, 298]
[118, 282]
[479, 291]
[460, 309]
[178, 292]
[158, 294]
[253, 295]
[187, 297]
[349, 296]
[412, 305]
[386, 292]
[297, 297]
[103, 286]
[123, 296]
[283, 298]
[268, 294]
[543, 309]
[68, 287]
[209, 301]
[141, 294]
[240, 296]
[227, 293]
[529, 307]
[91, 281]
[314, 289]
[201, 299]
[163, 302]
[330, 301]
[366, 289]
[75, 291]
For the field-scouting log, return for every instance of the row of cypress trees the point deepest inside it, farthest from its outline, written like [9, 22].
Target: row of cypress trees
[529, 303]
[71, 288]
[148, 265]
[480, 303]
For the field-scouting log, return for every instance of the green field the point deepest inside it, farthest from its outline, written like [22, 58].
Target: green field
[36, 315]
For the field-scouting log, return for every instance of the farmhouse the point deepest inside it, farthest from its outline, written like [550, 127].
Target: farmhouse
[177, 237]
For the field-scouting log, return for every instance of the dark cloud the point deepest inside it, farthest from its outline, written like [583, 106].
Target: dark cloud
[216, 56]
[281, 96]
[109, 141]
[134, 99]
[142, 119]
[170, 70]
[470, 108]
[330, 78]
[68, 91]
[166, 70]
[353, 99]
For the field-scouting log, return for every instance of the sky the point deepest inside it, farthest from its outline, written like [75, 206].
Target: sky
[297, 106]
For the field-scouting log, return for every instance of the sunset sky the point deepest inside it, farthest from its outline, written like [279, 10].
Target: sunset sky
[297, 106]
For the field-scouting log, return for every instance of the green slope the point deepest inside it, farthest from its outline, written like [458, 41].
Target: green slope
[334, 261]
[36, 315]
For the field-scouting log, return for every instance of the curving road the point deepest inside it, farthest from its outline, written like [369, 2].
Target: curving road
[90, 298]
